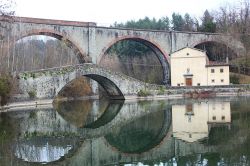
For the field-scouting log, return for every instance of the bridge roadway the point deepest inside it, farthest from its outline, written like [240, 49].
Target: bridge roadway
[49, 82]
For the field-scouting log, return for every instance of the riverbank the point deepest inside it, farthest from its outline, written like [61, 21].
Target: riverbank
[44, 103]
[169, 94]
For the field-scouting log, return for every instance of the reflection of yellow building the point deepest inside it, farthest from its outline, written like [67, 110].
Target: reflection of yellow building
[190, 122]
[191, 67]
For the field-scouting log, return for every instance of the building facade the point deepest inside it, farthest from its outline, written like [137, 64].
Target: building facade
[191, 67]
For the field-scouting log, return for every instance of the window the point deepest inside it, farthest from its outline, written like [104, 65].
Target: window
[214, 117]
[212, 81]
[187, 54]
[223, 118]
[221, 70]
[198, 84]
[178, 85]
[212, 70]
[222, 80]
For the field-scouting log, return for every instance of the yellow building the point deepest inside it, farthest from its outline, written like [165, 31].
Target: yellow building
[191, 67]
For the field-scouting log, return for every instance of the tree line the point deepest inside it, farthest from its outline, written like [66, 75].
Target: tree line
[227, 19]
[233, 19]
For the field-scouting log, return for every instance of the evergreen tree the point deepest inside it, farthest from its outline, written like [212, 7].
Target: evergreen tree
[208, 24]
[177, 22]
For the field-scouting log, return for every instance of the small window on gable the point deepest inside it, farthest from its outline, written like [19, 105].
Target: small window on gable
[187, 53]
[212, 70]
[198, 84]
[212, 81]
[221, 70]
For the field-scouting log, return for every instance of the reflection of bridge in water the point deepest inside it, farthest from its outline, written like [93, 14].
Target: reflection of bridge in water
[138, 132]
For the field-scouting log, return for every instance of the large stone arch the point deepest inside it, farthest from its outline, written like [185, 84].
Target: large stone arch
[159, 52]
[230, 50]
[227, 40]
[81, 55]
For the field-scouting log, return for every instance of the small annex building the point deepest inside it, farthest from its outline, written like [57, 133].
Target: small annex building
[191, 67]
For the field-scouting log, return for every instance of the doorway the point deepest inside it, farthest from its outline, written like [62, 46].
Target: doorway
[188, 81]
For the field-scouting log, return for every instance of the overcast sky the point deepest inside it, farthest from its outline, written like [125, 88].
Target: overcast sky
[106, 12]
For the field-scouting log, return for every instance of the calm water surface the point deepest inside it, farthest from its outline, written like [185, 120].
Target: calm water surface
[93, 133]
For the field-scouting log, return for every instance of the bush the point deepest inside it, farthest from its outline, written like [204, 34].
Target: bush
[143, 93]
[161, 90]
[5, 89]
[234, 79]
[32, 94]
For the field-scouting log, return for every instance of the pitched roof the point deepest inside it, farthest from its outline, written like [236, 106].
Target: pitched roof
[214, 63]
[190, 48]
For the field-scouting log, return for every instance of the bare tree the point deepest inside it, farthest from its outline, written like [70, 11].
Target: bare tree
[6, 8]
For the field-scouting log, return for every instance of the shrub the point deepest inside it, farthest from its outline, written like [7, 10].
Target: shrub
[32, 94]
[161, 90]
[234, 79]
[5, 89]
[143, 93]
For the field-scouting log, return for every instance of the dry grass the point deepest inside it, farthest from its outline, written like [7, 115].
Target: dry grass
[243, 79]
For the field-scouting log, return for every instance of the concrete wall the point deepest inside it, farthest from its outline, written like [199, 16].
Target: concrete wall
[220, 78]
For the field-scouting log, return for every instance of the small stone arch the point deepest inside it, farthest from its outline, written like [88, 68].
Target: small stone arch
[81, 55]
[160, 53]
[108, 85]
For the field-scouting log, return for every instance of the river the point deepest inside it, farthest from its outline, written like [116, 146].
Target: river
[213, 131]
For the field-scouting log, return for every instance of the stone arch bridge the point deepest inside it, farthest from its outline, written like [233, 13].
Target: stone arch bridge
[90, 42]
[48, 83]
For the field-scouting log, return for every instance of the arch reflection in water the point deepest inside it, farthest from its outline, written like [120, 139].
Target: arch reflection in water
[89, 113]
[142, 134]
[40, 149]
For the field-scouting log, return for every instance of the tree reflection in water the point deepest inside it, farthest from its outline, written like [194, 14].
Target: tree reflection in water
[89, 113]
[43, 149]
